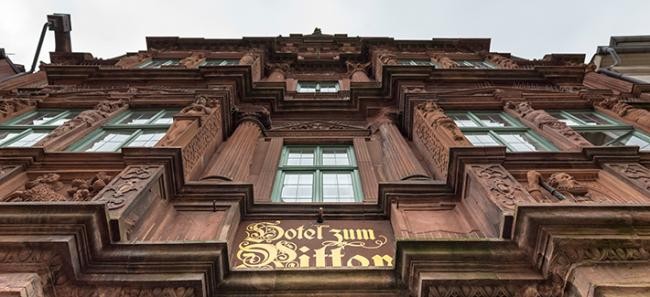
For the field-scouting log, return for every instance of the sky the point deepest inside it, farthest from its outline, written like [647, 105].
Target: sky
[525, 28]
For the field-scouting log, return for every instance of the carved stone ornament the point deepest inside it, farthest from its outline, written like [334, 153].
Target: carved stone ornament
[9, 107]
[563, 182]
[254, 113]
[358, 71]
[132, 180]
[388, 59]
[318, 125]
[627, 111]
[49, 187]
[435, 116]
[504, 188]
[542, 119]
[87, 118]
[634, 172]
[443, 61]
[133, 60]
[502, 61]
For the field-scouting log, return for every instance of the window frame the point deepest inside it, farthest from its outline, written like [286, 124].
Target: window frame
[317, 170]
[317, 86]
[416, 62]
[113, 126]
[495, 131]
[24, 130]
[224, 62]
[146, 65]
[475, 64]
[613, 125]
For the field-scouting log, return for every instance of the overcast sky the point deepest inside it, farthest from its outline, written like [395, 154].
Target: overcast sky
[525, 28]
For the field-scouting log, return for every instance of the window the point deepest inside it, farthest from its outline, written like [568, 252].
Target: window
[317, 174]
[30, 128]
[133, 128]
[158, 63]
[603, 131]
[498, 128]
[318, 87]
[475, 64]
[411, 62]
[220, 62]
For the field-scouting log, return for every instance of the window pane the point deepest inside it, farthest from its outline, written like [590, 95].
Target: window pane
[158, 63]
[166, 118]
[337, 187]
[493, 120]
[335, 156]
[463, 120]
[297, 187]
[328, 87]
[63, 119]
[565, 119]
[108, 142]
[138, 117]
[522, 142]
[43, 118]
[28, 139]
[482, 140]
[220, 62]
[306, 87]
[147, 139]
[300, 157]
[6, 135]
[590, 118]
[634, 140]
[602, 137]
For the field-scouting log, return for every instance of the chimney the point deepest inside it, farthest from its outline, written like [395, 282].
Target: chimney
[60, 24]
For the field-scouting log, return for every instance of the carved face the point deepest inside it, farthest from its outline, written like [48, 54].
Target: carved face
[524, 107]
[566, 183]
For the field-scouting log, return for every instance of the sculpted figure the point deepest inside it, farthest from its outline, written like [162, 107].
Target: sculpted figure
[42, 188]
[562, 182]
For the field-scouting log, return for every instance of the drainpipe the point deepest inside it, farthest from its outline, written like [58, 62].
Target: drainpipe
[60, 24]
[609, 71]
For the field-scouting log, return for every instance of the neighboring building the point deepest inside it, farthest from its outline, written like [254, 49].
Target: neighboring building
[323, 165]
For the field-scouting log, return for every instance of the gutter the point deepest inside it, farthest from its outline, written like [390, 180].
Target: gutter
[609, 71]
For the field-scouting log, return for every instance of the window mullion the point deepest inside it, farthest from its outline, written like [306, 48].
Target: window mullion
[318, 184]
[619, 138]
[500, 140]
[131, 138]
[574, 118]
[474, 118]
[156, 116]
[16, 138]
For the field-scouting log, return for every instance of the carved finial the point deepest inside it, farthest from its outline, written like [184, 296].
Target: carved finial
[317, 31]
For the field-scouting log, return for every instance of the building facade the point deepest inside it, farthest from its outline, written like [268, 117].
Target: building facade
[323, 165]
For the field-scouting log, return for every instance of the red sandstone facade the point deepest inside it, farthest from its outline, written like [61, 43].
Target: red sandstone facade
[420, 206]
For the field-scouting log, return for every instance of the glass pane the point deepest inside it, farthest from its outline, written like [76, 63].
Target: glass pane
[28, 139]
[63, 119]
[158, 63]
[147, 139]
[300, 157]
[39, 118]
[565, 119]
[522, 142]
[166, 119]
[297, 187]
[6, 135]
[493, 120]
[220, 62]
[335, 156]
[329, 87]
[306, 87]
[602, 137]
[138, 117]
[338, 187]
[482, 140]
[108, 142]
[463, 120]
[634, 140]
[590, 118]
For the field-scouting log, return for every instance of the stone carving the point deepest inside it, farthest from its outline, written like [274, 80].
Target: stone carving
[542, 120]
[193, 60]
[474, 290]
[358, 71]
[627, 111]
[443, 61]
[207, 133]
[49, 187]
[563, 182]
[86, 118]
[277, 71]
[133, 60]
[248, 58]
[201, 107]
[70, 290]
[502, 61]
[435, 116]
[9, 107]
[318, 125]
[254, 113]
[388, 59]
[635, 172]
[133, 179]
[504, 188]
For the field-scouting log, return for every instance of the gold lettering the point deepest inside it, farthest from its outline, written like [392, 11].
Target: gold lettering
[336, 257]
[290, 234]
[336, 233]
[366, 234]
[257, 255]
[378, 261]
[319, 254]
[319, 231]
[363, 261]
[309, 234]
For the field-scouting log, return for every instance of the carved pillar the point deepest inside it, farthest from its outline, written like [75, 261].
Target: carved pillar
[193, 61]
[12, 107]
[357, 71]
[634, 174]
[233, 162]
[615, 107]
[501, 61]
[490, 195]
[434, 134]
[443, 61]
[129, 195]
[84, 122]
[549, 127]
[133, 60]
[400, 162]
[198, 130]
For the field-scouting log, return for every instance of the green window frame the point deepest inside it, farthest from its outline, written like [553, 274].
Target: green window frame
[159, 63]
[328, 175]
[118, 133]
[475, 64]
[489, 128]
[416, 62]
[220, 62]
[318, 87]
[592, 124]
[18, 132]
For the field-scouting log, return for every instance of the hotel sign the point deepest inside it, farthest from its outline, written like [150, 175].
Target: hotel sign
[293, 244]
